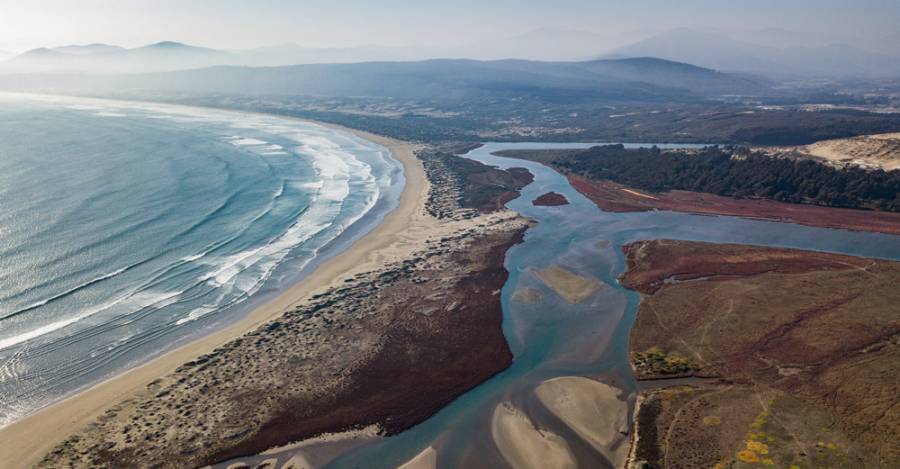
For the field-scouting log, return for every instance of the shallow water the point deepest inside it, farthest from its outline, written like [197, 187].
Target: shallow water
[552, 338]
[128, 228]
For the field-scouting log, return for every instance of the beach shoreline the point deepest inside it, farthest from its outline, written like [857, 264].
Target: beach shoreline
[30, 438]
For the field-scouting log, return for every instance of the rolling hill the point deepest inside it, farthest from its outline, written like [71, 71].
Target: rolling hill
[643, 79]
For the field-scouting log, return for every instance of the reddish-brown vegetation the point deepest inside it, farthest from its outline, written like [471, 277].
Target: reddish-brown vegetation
[613, 197]
[550, 199]
[425, 363]
[652, 264]
[810, 340]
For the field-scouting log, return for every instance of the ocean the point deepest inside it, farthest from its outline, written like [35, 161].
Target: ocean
[129, 228]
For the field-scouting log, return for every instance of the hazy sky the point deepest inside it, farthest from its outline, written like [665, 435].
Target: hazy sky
[27, 24]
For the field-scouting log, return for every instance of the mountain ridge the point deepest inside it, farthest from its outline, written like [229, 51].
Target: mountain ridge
[617, 79]
[719, 52]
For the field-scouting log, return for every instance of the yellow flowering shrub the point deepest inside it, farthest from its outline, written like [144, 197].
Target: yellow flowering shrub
[758, 447]
[748, 456]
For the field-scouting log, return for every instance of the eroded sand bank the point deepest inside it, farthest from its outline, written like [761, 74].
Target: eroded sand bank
[427, 459]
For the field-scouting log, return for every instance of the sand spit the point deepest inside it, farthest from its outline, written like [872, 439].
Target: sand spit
[594, 410]
[388, 347]
[572, 287]
[427, 459]
[525, 446]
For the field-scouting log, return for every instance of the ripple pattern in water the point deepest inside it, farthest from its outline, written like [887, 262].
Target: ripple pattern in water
[126, 228]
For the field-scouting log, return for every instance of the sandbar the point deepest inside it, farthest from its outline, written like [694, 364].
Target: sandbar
[592, 409]
[572, 287]
[525, 446]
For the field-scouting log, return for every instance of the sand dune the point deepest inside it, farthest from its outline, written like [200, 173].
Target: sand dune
[592, 409]
[572, 287]
[875, 151]
[524, 446]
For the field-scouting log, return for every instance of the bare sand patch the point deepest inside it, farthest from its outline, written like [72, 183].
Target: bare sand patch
[875, 151]
[592, 409]
[572, 287]
[427, 459]
[639, 194]
[525, 446]
[369, 432]
[297, 462]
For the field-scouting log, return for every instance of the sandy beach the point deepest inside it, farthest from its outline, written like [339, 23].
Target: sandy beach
[28, 440]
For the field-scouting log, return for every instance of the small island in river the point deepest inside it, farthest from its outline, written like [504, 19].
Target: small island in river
[787, 358]
[550, 199]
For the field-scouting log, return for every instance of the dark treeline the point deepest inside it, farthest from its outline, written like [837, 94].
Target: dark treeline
[736, 172]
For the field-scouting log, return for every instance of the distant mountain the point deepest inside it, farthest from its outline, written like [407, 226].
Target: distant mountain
[36, 60]
[775, 37]
[702, 49]
[433, 80]
[722, 53]
[666, 73]
[103, 58]
[540, 44]
[293, 54]
[89, 49]
[543, 44]
[42, 53]
[168, 56]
